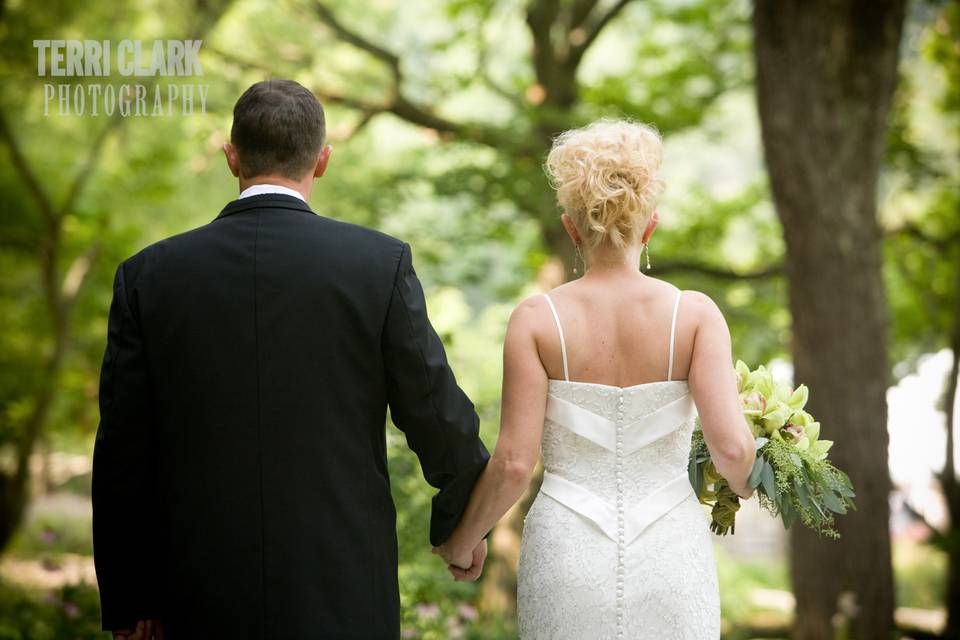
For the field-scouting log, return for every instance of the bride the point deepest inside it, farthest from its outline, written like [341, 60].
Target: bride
[605, 375]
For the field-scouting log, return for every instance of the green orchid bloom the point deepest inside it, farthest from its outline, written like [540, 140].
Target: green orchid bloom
[819, 448]
[774, 419]
[743, 373]
[798, 398]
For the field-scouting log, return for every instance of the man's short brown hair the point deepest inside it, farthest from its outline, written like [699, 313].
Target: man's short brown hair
[278, 129]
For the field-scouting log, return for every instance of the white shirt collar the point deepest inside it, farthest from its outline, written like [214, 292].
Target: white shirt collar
[257, 189]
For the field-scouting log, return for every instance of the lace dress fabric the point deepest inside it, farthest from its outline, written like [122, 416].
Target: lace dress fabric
[615, 544]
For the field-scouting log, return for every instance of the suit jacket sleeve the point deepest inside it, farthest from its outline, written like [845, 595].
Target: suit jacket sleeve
[123, 483]
[439, 421]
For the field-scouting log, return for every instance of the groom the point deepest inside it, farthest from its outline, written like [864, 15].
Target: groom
[240, 485]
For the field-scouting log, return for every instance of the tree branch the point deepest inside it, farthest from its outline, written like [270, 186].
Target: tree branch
[26, 174]
[716, 272]
[399, 104]
[593, 30]
[580, 11]
[89, 164]
[244, 63]
[77, 274]
[911, 230]
[483, 73]
[348, 35]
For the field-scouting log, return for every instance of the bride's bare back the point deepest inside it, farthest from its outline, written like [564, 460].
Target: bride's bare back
[618, 331]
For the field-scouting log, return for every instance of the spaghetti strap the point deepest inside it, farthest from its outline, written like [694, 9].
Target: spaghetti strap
[563, 345]
[673, 331]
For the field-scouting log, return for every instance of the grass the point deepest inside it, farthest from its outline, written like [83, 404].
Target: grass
[754, 593]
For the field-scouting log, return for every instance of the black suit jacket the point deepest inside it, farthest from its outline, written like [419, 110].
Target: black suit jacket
[240, 485]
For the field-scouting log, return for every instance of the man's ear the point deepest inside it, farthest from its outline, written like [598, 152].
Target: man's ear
[322, 161]
[233, 160]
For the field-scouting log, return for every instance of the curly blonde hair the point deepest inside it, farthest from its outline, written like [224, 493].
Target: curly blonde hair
[605, 175]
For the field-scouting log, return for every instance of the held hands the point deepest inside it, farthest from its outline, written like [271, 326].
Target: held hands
[146, 630]
[463, 564]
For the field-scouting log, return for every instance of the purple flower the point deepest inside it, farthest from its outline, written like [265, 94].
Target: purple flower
[71, 609]
[467, 612]
[428, 610]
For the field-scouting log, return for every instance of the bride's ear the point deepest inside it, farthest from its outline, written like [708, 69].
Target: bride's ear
[648, 231]
[571, 228]
[322, 161]
[233, 161]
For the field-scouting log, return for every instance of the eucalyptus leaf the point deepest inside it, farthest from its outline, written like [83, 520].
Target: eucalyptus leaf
[754, 479]
[833, 503]
[696, 477]
[787, 512]
[802, 495]
[769, 480]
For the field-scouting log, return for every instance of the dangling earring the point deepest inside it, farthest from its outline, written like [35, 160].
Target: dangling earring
[579, 256]
[646, 245]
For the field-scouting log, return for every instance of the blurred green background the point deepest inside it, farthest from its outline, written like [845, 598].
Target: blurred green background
[441, 113]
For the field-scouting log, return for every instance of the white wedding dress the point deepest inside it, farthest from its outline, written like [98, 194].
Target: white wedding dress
[616, 544]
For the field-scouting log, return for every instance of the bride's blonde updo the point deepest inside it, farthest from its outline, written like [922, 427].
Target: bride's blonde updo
[606, 179]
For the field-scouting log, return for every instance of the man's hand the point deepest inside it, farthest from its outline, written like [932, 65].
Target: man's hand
[471, 573]
[146, 630]
[454, 555]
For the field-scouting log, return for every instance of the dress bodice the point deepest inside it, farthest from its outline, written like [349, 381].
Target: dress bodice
[618, 455]
[655, 421]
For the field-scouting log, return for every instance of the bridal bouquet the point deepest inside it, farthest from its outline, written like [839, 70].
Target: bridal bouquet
[791, 474]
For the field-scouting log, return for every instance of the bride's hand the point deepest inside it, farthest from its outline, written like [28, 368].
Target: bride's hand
[460, 558]
[479, 556]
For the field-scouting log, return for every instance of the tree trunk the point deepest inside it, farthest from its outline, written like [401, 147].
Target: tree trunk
[826, 72]
[948, 477]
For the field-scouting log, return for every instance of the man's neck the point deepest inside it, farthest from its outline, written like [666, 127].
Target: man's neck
[303, 187]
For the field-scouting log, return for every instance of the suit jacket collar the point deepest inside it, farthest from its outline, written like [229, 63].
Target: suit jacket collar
[265, 201]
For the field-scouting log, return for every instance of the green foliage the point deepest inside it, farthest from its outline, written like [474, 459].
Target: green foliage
[69, 612]
[49, 534]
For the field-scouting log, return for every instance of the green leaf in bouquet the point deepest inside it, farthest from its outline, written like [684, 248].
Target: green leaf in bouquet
[846, 492]
[845, 488]
[809, 501]
[802, 496]
[768, 480]
[787, 512]
[796, 460]
[832, 502]
[759, 442]
[754, 479]
[696, 477]
[816, 505]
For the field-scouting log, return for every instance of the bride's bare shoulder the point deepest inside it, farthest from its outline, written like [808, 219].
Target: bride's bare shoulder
[530, 312]
[699, 308]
